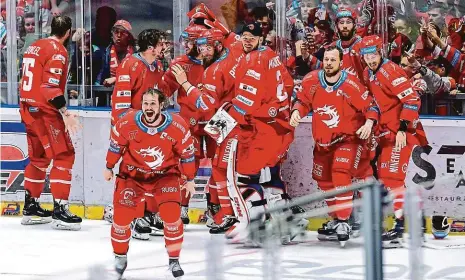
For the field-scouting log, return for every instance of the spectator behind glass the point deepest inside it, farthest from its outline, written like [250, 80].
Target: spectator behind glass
[105, 18]
[3, 73]
[261, 15]
[402, 26]
[270, 40]
[29, 23]
[91, 53]
[122, 46]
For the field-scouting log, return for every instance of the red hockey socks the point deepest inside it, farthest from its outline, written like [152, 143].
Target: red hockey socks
[60, 182]
[34, 180]
[170, 213]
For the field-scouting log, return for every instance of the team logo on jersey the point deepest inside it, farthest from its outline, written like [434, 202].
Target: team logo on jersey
[272, 112]
[155, 153]
[134, 67]
[55, 132]
[192, 121]
[331, 111]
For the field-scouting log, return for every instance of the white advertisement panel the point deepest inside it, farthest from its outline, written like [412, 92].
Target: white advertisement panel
[438, 165]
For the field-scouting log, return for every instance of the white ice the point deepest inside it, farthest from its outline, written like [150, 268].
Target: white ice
[39, 252]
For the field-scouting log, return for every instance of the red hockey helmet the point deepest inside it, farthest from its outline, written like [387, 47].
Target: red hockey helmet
[193, 32]
[371, 44]
[210, 37]
[346, 12]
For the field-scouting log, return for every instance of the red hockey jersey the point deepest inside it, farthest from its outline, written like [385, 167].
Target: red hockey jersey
[194, 70]
[133, 77]
[148, 152]
[351, 61]
[396, 100]
[338, 110]
[45, 68]
[217, 86]
[262, 92]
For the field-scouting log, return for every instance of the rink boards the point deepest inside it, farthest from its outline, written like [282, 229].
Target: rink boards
[441, 162]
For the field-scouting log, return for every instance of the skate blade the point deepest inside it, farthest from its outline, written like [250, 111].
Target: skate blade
[323, 237]
[60, 225]
[140, 236]
[169, 276]
[35, 220]
[343, 243]
[211, 224]
[392, 245]
[157, 232]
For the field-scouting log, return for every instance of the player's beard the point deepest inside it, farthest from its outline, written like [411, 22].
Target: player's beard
[332, 72]
[151, 114]
[348, 36]
[193, 52]
[207, 62]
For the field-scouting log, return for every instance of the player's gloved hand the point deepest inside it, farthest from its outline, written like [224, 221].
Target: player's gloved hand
[189, 186]
[72, 123]
[401, 140]
[217, 24]
[295, 118]
[108, 174]
[179, 73]
[365, 131]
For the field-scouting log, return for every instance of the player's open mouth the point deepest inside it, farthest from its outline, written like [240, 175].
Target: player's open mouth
[149, 113]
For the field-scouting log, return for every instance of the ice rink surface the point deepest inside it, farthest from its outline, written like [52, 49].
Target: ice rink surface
[39, 252]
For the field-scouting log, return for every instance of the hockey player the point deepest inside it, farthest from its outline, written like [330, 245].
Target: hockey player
[134, 76]
[138, 73]
[157, 154]
[337, 100]
[48, 124]
[192, 65]
[400, 128]
[217, 87]
[257, 124]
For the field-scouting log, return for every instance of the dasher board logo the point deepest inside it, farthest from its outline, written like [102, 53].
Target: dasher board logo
[14, 158]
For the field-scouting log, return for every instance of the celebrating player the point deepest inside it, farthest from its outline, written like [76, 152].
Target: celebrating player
[48, 125]
[336, 98]
[400, 127]
[192, 65]
[134, 76]
[138, 73]
[218, 88]
[157, 154]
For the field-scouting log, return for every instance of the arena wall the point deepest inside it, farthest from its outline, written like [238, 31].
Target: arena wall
[441, 162]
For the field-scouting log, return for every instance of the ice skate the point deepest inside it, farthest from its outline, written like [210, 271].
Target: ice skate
[327, 232]
[342, 232]
[185, 215]
[175, 270]
[393, 238]
[228, 222]
[213, 209]
[33, 213]
[355, 226]
[63, 218]
[121, 262]
[157, 225]
[140, 229]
